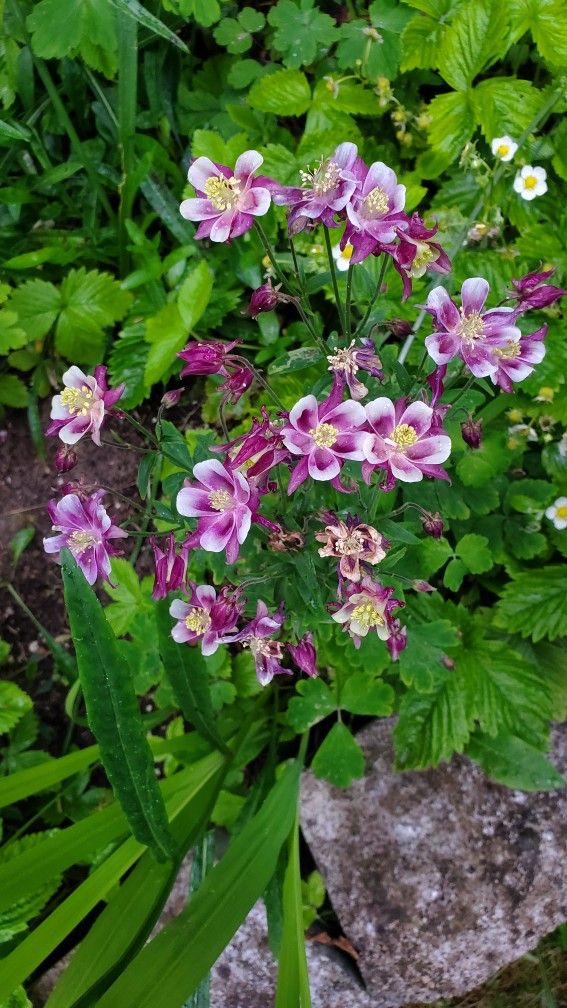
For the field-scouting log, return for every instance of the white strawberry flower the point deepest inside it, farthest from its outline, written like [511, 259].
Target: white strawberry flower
[557, 513]
[504, 148]
[530, 182]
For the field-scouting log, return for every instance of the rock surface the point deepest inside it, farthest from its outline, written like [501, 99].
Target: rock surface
[439, 878]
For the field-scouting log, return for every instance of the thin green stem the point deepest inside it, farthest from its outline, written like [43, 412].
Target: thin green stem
[360, 327]
[261, 381]
[334, 279]
[348, 301]
[156, 475]
[64, 660]
[141, 429]
[127, 95]
[270, 253]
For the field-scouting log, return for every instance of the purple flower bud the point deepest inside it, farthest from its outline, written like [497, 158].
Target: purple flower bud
[236, 383]
[65, 459]
[399, 328]
[205, 358]
[263, 299]
[422, 586]
[305, 655]
[170, 566]
[471, 431]
[171, 397]
[432, 524]
[397, 640]
[531, 291]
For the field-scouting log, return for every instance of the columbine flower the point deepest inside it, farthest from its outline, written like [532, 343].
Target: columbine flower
[504, 148]
[171, 398]
[375, 211]
[267, 653]
[206, 358]
[285, 542]
[406, 441]
[397, 640]
[224, 502]
[346, 362]
[432, 524]
[82, 405]
[305, 655]
[530, 291]
[324, 190]
[259, 450]
[206, 617]
[471, 432]
[342, 257]
[227, 201]
[516, 358]
[170, 566]
[325, 434]
[236, 383]
[530, 182]
[557, 513]
[468, 331]
[65, 458]
[367, 609]
[416, 253]
[85, 529]
[350, 543]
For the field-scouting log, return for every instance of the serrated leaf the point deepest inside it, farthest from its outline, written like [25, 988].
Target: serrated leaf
[474, 40]
[506, 106]
[302, 31]
[37, 304]
[420, 662]
[127, 363]
[90, 302]
[285, 92]
[113, 713]
[339, 759]
[14, 703]
[513, 762]
[13, 392]
[452, 126]
[315, 702]
[533, 604]
[431, 726]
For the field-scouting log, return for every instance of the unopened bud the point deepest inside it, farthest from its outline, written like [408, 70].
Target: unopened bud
[263, 299]
[65, 459]
[432, 524]
[471, 431]
[399, 327]
[171, 397]
[422, 586]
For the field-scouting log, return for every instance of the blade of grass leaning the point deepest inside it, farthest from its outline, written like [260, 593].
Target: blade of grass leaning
[293, 977]
[113, 713]
[203, 858]
[171, 967]
[135, 10]
[39, 778]
[127, 94]
[187, 672]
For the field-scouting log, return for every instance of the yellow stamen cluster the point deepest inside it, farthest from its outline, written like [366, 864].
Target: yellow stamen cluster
[198, 621]
[377, 201]
[223, 193]
[422, 258]
[470, 326]
[404, 435]
[510, 351]
[324, 435]
[367, 615]
[220, 500]
[502, 149]
[323, 179]
[79, 541]
[530, 182]
[78, 401]
[561, 511]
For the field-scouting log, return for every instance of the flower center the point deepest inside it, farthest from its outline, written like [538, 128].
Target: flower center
[198, 621]
[77, 401]
[352, 543]
[530, 182]
[223, 193]
[220, 500]
[324, 435]
[346, 253]
[561, 511]
[266, 648]
[343, 360]
[470, 326]
[367, 615]
[80, 541]
[422, 258]
[510, 351]
[404, 435]
[503, 149]
[323, 179]
[377, 201]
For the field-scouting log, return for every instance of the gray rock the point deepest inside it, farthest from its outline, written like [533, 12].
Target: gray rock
[439, 878]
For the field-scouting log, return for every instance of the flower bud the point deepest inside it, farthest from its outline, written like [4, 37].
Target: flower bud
[171, 397]
[422, 586]
[399, 328]
[471, 431]
[305, 655]
[65, 459]
[263, 299]
[397, 640]
[432, 524]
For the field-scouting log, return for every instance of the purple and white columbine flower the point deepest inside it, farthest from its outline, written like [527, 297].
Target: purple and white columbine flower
[206, 358]
[206, 617]
[368, 608]
[375, 212]
[225, 503]
[325, 434]
[406, 441]
[85, 529]
[516, 358]
[82, 405]
[416, 253]
[170, 566]
[267, 653]
[227, 201]
[469, 332]
[346, 362]
[324, 191]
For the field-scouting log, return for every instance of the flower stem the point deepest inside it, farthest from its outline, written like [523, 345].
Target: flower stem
[334, 279]
[270, 254]
[384, 267]
[348, 301]
[301, 284]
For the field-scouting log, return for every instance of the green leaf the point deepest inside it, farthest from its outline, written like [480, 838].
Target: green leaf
[14, 918]
[13, 392]
[315, 702]
[127, 363]
[62, 27]
[363, 694]
[37, 304]
[475, 39]
[127, 597]
[421, 43]
[171, 966]
[296, 360]
[149, 21]
[90, 302]
[431, 726]
[339, 759]
[420, 662]
[292, 989]
[547, 22]
[37, 779]
[14, 703]
[474, 551]
[506, 106]
[11, 336]
[513, 762]
[187, 672]
[167, 332]
[452, 126]
[113, 712]
[285, 92]
[533, 604]
[302, 32]
[454, 574]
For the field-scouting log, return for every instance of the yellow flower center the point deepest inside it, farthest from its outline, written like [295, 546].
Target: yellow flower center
[324, 435]
[220, 500]
[77, 401]
[367, 615]
[223, 193]
[377, 201]
[530, 182]
[198, 621]
[346, 253]
[79, 541]
[510, 351]
[470, 326]
[545, 394]
[325, 177]
[561, 511]
[404, 435]
[502, 149]
[422, 258]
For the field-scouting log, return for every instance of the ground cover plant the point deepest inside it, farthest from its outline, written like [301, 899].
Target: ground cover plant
[303, 263]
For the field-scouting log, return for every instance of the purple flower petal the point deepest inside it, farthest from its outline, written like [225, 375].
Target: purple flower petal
[474, 293]
[304, 416]
[419, 416]
[201, 170]
[446, 313]
[381, 415]
[193, 502]
[322, 464]
[247, 163]
[197, 209]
